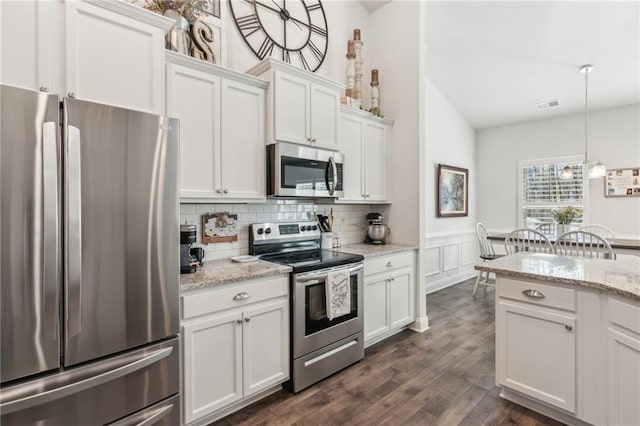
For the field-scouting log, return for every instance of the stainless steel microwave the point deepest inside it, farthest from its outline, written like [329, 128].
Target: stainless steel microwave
[303, 171]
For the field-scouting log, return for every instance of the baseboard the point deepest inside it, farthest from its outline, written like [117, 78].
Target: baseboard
[541, 408]
[449, 281]
[420, 325]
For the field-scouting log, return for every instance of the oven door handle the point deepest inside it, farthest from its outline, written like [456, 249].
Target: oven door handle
[321, 277]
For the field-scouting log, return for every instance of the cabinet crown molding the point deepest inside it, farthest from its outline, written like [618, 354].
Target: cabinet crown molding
[135, 12]
[274, 64]
[217, 70]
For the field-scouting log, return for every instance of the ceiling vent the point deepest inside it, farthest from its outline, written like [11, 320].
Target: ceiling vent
[548, 104]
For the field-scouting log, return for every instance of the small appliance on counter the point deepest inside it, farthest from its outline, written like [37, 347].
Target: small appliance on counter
[376, 231]
[189, 259]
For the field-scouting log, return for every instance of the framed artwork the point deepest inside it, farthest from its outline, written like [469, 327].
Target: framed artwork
[622, 182]
[453, 191]
[219, 228]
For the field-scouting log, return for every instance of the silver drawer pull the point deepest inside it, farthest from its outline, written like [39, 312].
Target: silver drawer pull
[568, 327]
[389, 264]
[533, 293]
[241, 296]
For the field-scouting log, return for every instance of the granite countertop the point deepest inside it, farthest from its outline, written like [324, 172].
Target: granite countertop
[616, 276]
[371, 250]
[220, 272]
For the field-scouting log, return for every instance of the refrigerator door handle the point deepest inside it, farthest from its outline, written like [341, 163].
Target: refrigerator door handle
[50, 228]
[41, 398]
[74, 233]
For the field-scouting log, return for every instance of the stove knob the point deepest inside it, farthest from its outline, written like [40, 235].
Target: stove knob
[267, 231]
[303, 228]
[260, 231]
[315, 228]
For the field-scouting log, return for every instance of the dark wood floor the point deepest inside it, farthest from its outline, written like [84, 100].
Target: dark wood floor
[444, 376]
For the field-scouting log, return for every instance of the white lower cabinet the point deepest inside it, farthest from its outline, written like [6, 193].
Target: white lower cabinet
[235, 344]
[536, 353]
[388, 295]
[623, 363]
[568, 352]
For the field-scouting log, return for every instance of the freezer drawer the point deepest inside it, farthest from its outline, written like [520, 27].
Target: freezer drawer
[97, 393]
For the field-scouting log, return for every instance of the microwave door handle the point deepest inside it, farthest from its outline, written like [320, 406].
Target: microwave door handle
[334, 170]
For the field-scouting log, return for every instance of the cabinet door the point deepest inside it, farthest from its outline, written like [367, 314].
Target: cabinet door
[376, 315]
[266, 346]
[243, 141]
[113, 59]
[623, 371]
[376, 161]
[351, 144]
[536, 354]
[292, 101]
[212, 359]
[194, 98]
[401, 298]
[26, 41]
[325, 104]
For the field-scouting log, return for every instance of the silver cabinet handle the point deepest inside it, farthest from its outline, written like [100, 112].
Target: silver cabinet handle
[44, 89]
[239, 321]
[241, 296]
[74, 232]
[247, 319]
[533, 293]
[219, 191]
[568, 327]
[74, 388]
[71, 95]
[50, 253]
[314, 140]
[389, 264]
[226, 191]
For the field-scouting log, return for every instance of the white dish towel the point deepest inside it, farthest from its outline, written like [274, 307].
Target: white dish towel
[338, 288]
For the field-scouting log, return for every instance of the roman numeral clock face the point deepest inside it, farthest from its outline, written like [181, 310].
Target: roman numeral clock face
[294, 31]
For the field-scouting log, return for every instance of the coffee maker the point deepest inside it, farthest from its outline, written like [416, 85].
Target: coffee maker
[188, 261]
[376, 231]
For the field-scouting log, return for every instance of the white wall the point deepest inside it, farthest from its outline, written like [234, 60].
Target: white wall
[450, 245]
[614, 139]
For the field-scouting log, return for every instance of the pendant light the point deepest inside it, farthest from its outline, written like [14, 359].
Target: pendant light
[595, 168]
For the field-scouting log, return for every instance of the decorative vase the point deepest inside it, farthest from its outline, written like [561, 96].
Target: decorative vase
[178, 38]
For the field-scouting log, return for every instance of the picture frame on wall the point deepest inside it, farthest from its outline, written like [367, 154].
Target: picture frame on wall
[212, 7]
[453, 191]
[622, 182]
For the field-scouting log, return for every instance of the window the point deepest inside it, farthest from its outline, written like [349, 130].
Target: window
[542, 190]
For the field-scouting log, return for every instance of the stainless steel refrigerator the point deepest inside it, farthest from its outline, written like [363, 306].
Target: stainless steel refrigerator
[89, 263]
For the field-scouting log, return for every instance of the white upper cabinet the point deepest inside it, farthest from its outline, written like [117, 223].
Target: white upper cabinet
[365, 141]
[222, 131]
[113, 58]
[303, 107]
[28, 34]
[102, 51]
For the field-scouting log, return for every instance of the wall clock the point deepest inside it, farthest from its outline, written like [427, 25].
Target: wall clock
[294, 31]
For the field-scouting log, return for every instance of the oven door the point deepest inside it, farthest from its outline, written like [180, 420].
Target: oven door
[312, 329]
[300, 171]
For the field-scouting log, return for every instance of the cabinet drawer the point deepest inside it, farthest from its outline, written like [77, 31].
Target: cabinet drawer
[388, 263]
[543, 295]
[219, 299]
[624, 314]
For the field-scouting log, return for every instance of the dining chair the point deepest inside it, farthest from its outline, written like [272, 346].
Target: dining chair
[601, 230]
[486, 253]
[527, 240]
[547, 228]
[583, 244]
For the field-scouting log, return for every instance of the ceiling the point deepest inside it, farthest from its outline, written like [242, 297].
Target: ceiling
[373, 5]
[495, 60]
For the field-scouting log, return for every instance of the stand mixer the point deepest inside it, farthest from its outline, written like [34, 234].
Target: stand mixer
[376, 231]
[188, 261]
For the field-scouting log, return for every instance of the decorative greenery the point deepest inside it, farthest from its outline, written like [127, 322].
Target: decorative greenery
[372, 111]
[566, 215]
[189, 9]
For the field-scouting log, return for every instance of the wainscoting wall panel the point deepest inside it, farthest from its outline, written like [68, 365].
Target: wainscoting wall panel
[450, 258]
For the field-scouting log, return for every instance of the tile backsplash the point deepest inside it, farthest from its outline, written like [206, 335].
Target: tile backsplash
[349, 221]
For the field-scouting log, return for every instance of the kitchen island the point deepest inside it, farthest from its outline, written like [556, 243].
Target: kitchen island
[568, 336]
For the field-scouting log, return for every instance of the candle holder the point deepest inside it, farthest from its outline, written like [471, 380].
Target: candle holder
[351, 66]
[375, 93]
[357, 89]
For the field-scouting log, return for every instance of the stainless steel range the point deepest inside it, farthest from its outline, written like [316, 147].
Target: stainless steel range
[319, 346]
